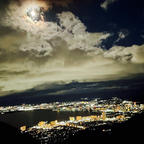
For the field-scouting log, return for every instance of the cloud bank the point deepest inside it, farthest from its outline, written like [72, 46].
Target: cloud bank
[32, 54]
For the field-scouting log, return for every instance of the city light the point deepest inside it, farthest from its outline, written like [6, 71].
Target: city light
[97, 112]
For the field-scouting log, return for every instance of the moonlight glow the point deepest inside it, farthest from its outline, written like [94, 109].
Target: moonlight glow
[35, 13]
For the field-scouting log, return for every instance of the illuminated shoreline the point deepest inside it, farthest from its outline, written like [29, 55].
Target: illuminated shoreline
[114, 110]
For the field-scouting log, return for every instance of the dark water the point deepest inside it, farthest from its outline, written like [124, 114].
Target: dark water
[31, 118]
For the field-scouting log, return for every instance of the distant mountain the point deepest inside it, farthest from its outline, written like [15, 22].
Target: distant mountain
[126, 89]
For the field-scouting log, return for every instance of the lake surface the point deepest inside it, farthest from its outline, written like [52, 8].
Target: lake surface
[31, 118]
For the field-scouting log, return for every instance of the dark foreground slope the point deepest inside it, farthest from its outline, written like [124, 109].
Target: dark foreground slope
[10, 135]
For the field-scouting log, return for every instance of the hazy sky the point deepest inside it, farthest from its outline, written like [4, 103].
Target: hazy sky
[32, 53]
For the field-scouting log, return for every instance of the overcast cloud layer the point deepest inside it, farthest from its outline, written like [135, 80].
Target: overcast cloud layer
[35, 53]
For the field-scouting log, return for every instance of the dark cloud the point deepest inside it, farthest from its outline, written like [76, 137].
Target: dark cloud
[51, 3]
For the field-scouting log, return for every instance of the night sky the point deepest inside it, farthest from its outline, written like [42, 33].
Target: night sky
[48, 46]
[125, 16]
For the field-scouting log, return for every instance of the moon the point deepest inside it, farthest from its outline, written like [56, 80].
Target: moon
[35, 13]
